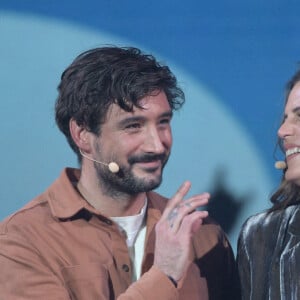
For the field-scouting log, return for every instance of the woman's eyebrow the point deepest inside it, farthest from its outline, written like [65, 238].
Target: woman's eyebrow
[296, 109]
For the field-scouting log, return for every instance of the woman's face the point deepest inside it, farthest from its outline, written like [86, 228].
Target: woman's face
[289, 132]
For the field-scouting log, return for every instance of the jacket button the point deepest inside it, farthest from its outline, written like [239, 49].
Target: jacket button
[125, 268]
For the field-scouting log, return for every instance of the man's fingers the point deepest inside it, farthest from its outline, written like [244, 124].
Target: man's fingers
[183, 208]
[178, 221]
[191, 223]
[186, 207]
[178, 207]
[179, 197]
[180, 194]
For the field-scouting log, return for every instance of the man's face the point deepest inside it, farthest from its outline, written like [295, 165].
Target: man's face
[289, 132]
[139, 142]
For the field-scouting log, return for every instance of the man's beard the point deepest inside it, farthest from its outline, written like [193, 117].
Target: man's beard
[125, 182]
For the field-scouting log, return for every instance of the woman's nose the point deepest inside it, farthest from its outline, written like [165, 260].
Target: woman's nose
[285, 130]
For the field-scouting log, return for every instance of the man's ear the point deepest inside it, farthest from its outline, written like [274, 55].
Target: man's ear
[80, 136]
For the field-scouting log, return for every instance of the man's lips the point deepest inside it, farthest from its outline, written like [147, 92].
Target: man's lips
[150, 164]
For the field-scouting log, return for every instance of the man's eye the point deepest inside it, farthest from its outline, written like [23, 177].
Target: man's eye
[165, 121]
[133, 126]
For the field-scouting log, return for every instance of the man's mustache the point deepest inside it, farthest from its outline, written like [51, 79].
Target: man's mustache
[147, 158]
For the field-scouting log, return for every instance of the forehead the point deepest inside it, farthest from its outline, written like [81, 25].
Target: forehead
[151, 106]
[294, 98]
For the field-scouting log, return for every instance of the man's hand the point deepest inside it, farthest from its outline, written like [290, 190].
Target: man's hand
[174, 231]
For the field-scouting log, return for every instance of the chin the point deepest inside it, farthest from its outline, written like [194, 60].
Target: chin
[152, 183]
[293, 176]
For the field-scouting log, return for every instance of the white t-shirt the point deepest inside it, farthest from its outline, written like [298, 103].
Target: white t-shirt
[134, 228]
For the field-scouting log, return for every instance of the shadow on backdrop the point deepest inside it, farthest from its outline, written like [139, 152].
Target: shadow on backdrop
[224, 206]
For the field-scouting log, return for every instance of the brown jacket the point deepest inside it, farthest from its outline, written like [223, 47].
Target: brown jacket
[58, 247]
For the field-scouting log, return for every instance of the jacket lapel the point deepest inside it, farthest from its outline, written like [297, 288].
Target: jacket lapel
[290, 259]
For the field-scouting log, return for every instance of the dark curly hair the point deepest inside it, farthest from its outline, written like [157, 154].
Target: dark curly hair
[288, 193]
[102, 76]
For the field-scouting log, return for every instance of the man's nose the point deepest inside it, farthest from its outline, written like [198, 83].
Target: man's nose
[154, 142]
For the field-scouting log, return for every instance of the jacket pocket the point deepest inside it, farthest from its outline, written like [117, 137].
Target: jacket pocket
[87, 282]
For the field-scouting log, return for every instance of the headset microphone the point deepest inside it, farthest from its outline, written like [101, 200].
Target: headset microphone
[281, 165]
[112, 166]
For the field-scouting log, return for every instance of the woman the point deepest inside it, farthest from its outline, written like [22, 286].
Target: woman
[269, 243]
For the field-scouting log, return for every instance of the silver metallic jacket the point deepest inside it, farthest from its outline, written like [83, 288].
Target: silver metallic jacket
[269, 255]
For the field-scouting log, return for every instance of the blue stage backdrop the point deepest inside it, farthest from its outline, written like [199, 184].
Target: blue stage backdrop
[232, 60]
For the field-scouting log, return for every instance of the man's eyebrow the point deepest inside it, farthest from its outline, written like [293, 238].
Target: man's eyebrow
[168, 114]
[133, 119]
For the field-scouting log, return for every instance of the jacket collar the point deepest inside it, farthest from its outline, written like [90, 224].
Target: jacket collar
[64, 200]
[294, 222]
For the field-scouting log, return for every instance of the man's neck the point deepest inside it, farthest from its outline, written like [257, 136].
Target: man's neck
[121, 206]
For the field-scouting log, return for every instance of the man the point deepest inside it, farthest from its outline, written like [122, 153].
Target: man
[101, 232]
